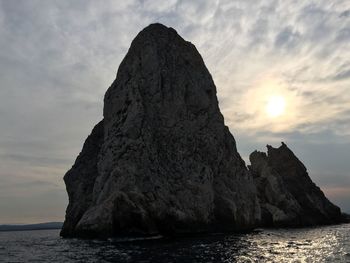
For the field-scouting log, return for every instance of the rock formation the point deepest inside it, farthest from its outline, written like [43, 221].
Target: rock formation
[287, 195]
[162, 160]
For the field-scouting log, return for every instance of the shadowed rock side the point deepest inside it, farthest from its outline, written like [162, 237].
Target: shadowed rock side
[162, 161]
[287, 195]
[80, 180]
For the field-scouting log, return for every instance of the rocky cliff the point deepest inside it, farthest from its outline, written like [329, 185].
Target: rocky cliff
[287, 195]
[162, 160]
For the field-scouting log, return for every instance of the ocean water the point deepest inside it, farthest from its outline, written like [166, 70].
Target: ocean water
[322, 244]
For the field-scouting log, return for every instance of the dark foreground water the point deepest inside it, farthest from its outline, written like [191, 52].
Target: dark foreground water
[323, 244]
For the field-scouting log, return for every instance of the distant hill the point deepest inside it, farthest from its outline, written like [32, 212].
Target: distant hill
[49, 225]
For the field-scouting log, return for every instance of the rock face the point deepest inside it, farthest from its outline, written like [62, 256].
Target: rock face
[161, 161]
[287, 195]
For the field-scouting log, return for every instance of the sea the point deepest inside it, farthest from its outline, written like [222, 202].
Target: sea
[317, 244]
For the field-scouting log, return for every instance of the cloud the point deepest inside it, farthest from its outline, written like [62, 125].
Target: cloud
[34, 160]
[287, 38]
[57, 58]
[342, 75]
[346, 13]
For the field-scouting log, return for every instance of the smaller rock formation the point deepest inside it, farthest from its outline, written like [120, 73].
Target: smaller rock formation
[287, 195]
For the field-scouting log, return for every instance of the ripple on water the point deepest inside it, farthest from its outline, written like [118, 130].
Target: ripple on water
[324, 244]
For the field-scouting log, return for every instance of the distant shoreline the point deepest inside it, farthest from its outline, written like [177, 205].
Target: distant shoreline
[40, 226]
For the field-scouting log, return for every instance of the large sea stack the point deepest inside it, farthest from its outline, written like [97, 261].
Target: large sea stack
[162, 160]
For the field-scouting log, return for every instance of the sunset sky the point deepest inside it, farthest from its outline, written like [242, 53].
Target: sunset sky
[281, 68]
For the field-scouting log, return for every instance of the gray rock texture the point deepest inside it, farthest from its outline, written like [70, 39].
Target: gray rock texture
[80, 180]
[162, 161]
[287, 195]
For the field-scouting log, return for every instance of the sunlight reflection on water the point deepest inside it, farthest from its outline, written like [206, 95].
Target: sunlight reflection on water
[327, 244]
[323, 244]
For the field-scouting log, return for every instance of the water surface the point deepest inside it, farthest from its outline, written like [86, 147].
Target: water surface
[322, 244]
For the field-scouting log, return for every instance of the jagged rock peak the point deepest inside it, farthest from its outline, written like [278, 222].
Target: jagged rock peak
[287, 195]
[164, 162]
[282, 154]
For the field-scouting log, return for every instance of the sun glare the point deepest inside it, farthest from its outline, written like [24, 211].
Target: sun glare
[275, 106]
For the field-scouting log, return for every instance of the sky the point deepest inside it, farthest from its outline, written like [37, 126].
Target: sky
[57, 59]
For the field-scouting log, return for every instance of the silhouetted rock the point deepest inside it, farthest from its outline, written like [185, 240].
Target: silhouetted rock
[80, 180]
[287, 195]
[162, 161]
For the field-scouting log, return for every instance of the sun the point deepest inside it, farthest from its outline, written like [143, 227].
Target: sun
[275, 106]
